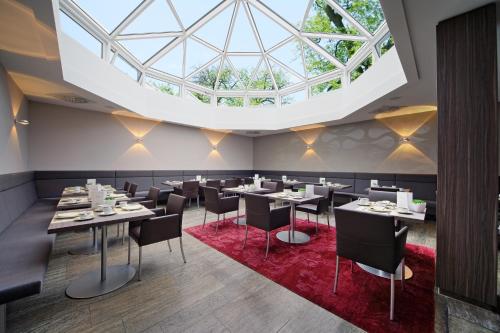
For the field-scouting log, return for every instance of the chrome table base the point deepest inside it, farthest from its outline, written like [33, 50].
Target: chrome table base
[295, 237]
[378, 272]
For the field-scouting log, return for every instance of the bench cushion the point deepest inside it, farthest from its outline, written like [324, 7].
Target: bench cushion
[25, 248]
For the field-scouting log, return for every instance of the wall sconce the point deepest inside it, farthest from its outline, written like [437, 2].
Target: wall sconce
[214, 147]
[138, 140]
[23, 122]
[308, 147]
[404, 139]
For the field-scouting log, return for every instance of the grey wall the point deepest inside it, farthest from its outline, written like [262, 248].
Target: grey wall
[63, 138]
[371, 146]
[13, 138]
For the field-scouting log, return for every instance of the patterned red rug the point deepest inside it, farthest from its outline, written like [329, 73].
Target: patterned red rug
[308, 270]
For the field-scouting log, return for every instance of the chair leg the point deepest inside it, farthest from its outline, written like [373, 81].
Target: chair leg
[169, 247]
[140, 262]
[223, 217]
[189, 205]
[328, 219]
[204, 219]
[182, 250]
[267, 246]
[391, 315]
[198, 201]
[217, 224]
[129, 250]
[117, 230]
[317, 223]
[246, 235]
[403, 274]
[308, 218]
[336, 275]
[123, 233]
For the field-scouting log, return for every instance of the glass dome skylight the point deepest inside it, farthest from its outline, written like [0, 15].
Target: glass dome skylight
[233, 52]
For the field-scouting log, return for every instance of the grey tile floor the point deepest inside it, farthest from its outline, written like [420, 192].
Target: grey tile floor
[211, 293]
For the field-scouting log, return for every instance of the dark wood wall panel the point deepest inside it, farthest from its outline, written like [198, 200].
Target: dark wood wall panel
[467, 156]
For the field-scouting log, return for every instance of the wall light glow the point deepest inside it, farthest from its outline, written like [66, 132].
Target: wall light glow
[23, 122]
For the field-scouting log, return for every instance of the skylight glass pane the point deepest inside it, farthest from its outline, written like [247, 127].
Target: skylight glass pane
[367, 12]
[242, 37]
[363, 67]
[323, 18]
[197, 55]
[293, 98]
[171, 63]
[100, 11]
[342, 50]
[126, 68]
[261, 101]
[245, 66]
[199, 97]
[75, 31]
[228, 79]
[157, 17]
[192, 10]
[270, 32]
[316, 64]
[230, 101]
[207, 76]
[162, 86]
[262, 79]
[215, 31]
[326, 87]
[143, 49]
[282, 76]
[385, 44]
[290, 54]
[292, 11]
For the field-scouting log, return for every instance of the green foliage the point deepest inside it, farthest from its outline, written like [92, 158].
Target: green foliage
[261, 101]
[363, 67]
[163, 87]
[386, 44]
[367, 12]
[326, 87]
[201, 97]
[230, 101]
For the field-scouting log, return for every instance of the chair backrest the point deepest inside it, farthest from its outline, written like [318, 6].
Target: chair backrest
[175, 205]
[366, 238]
[234, 182]
[190, 188]
[324, 191]
[280, 185]
[382, 195]
[211, 199]
[273, 186]
[132, 189]
[248, 180]
[126, 186]
[154, 194]
[215, 183]
[258, 212]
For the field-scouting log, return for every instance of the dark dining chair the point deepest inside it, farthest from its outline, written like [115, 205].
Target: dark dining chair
[189, 190]
[259, 215]
[165, 226]
[233, 182]
[132, 189]
[317, 207]
[273, 186]
[247, 181]
[374, 195]
[153, 196]
[126, 187]
[215, 183]
[218, 205]
[370, 239]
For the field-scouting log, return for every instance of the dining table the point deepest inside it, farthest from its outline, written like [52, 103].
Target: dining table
[67, 203]
[400, 215]
[80, 191]
[178, 183]
[241, 191]
[108, 278]
[294, 198]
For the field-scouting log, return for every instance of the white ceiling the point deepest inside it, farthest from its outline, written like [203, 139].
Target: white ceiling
[36, 68]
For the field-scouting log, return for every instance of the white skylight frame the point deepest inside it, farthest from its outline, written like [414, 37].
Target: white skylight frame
[111, 48]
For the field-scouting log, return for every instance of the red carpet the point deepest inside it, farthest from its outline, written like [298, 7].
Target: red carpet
[308, 270]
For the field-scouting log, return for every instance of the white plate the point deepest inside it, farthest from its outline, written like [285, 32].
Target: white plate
[380, 210]
[363, 204]
[406, 212]
[107, 214]
[69, 215]
[84, 218]
[132, 207]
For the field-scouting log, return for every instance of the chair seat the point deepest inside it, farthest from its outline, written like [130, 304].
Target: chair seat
[307, 208]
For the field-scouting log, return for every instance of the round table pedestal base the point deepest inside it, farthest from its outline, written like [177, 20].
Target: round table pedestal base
[296, 237]
[378, 272]
[90, 284]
